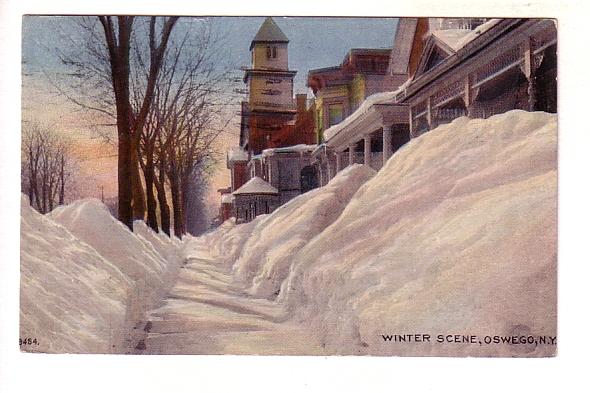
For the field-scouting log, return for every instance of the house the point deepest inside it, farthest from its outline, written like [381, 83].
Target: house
[254, 198]
[501, 65]
[341, 89]
[373, 137]
[454, 67]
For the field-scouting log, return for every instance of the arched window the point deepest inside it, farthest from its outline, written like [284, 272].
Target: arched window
[268, 52]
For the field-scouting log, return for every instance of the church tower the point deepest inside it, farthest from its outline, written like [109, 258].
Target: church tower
[270, 104]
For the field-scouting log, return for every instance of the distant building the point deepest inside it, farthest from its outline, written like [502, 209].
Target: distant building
[341, 89]
[277, 132]
[270, 115]
[254, 198]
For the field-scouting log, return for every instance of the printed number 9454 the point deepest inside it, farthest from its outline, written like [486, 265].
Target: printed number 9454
[28, 341]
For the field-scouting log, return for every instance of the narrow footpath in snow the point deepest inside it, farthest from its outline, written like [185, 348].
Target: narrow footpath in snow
[207, 312]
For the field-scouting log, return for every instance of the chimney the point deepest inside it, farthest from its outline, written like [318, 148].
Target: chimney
[301, 102]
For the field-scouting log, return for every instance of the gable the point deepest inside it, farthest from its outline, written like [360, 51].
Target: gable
[435, 52]
[434, 59]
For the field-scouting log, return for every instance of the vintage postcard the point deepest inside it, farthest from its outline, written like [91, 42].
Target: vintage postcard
[289, 185]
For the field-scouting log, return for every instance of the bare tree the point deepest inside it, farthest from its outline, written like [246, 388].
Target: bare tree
[101, 71]
[188, 113]
[129, 124]
[168, 96]
[48, 167]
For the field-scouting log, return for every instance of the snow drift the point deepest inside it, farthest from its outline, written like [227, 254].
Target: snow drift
[456, 234]
[265, 257]
[85, 277]
[259, 252]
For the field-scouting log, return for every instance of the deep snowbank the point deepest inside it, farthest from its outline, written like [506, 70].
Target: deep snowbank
[227, 241]
[85, 277]
[455, 235]
[265, 257]
[259, 252]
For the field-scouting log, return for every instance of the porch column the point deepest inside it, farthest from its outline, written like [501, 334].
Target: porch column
[367, 152]
[351, 148]
[529, 72]
[467, 94]
[386, 143]
[429, 114]
[328, 166]
[411, 119]
[338, 161]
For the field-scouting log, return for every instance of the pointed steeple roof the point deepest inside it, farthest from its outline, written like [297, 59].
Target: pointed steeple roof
[269, 32]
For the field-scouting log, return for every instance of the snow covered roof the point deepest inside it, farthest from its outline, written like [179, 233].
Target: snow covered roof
[458, 38]
[377, 98]
[227, 198]
[289, 149]
[451, 37]
[476, 33]
[236, 154]
[256, 186]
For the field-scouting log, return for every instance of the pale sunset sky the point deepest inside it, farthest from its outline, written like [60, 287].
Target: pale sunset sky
[314, 43]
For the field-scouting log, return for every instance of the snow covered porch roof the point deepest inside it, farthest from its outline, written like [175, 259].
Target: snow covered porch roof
[377, 111]
[289, 149]
[256, 186]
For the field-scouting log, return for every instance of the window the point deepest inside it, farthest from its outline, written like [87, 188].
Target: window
[335, 114]
[271, 52]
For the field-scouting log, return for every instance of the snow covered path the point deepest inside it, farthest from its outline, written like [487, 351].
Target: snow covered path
[206, 312]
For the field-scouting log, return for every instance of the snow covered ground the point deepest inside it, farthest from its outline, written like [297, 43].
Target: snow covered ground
[85, 278]
[456, 234]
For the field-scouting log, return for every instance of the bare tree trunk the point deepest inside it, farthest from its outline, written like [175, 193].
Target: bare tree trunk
[124, 180]
[44, 187]
[162, 200]
[30, 193]
[176, 201]
[62, 182]
[149, 174]
[50, 199]
[33, 192]
[138, 196]
[185, 188]
[118, 43]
